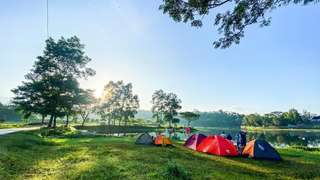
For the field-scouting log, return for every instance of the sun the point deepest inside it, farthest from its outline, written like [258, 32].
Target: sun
[97, 93]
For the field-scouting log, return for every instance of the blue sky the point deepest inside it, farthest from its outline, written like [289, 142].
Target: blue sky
[273, 68]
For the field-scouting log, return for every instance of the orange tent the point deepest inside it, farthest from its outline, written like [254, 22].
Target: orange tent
[162, 140]
[217, 145]
[249, 149]
[260, 149]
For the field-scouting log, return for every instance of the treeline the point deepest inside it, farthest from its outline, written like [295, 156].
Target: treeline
[218, 119]
[8, 113]
[292, 117]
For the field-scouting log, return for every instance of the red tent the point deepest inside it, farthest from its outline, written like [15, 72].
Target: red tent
[194, 141]
[217, 145]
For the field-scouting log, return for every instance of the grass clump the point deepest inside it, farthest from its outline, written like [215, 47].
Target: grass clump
[173, 171]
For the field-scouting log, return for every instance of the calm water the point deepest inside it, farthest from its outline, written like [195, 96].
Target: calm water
[276, 138]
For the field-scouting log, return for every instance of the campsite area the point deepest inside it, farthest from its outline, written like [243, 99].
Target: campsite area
[167, 89]
[25, 155]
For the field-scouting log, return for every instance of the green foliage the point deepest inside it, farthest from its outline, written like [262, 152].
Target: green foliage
[118, 102]
[292, 117]
[52, 88]
[173, 171]
[59, 131]
[165, 106]
[232, 19]
[86, 107]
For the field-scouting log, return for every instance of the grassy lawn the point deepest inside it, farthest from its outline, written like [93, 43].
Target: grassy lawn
[25, 155]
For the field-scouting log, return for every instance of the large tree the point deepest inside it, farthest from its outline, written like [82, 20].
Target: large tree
[231, 16]
[165, 106]
[51, 87]
[292, 117]
[118, 102]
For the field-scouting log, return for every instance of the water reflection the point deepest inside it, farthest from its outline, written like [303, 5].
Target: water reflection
[276, 138]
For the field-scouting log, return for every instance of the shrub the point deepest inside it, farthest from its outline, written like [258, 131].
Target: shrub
[174, 171]
[58, 131]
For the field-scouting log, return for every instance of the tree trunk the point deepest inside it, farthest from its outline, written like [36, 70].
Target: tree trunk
[67, 122]
[42, 120]
[126, 121]
[50, 121]
[109, 124]
[83, 121]
[55, 122]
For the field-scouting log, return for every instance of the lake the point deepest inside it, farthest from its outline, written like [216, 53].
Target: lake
[278, 138]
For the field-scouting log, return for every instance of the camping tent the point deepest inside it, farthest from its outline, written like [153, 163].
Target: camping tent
[193, 141]
[162, 140]
[144, 138]
[217, 145]
[260, 149]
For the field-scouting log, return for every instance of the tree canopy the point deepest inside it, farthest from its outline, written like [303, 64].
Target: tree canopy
[51, 87]
[165, 106]
[292, 117]
[232, 17]
[118, 102]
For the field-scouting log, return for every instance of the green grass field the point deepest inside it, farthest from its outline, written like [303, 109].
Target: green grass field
[25, 155]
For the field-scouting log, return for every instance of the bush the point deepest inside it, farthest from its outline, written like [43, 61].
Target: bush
[174, 171]
[58, 131]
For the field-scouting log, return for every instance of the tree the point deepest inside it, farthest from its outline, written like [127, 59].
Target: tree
[292, 117]
[52, 88]
[118, 102]
[235, 17]
[158, 108]
[165, 106]
[87, 105]
[190, 116]
[175, 121]
[306, 117]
